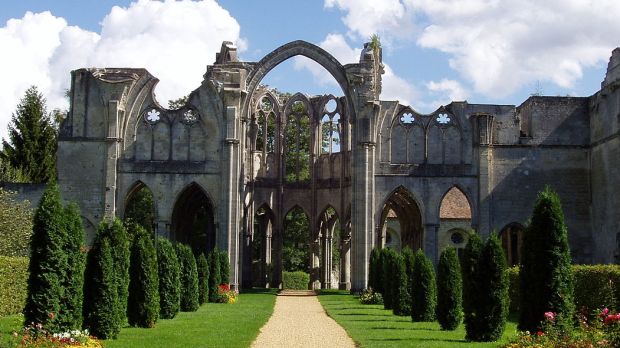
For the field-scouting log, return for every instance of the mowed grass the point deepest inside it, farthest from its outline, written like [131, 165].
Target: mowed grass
[373, 326]
[213, 325]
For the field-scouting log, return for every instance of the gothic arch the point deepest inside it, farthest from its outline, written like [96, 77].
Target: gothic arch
[408, 213]
[464, 193]
[193, 218]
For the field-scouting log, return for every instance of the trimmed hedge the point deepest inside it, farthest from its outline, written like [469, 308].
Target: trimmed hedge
[423, 289]
[203, 279]
[143, 303]
[224, 267]
[13, 284]
[169, 279]
[373, 268]
[449, 290]
[214, 274]
[188, 277]
[295, 280]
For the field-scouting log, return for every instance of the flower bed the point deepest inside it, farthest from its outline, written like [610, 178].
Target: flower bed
[225, 294]
[35, 336]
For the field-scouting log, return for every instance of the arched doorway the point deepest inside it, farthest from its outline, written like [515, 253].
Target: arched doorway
[512, 239]
[140, 207]
[193, 220]
[261, 247]
[402, 216]
[454, 220]
[329, 234]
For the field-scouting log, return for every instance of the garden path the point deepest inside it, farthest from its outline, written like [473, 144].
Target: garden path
[299, 320]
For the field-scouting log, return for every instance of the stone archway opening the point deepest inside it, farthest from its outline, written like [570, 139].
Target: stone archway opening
[330, 246]
[512, 239]
[401, 222]
[454, 220]
[261, 267]
[140, 207]
[193, 220]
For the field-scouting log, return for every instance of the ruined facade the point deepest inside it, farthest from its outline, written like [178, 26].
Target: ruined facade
[366, 172]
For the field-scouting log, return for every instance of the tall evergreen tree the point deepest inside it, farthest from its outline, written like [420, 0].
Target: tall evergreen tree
[373, 270]
[143, 304]
[423, 289]
[546, 277]
[71, 304]
[119, 241]
[449, 290]
[203, 279]
[471, 285]
[409, 257]
[224, 267]
[169, 279]
[214, 274]
[48, 262]
[32, 139]
[381, 273]
[401, 301]
[389, 285]
[188, 278]
[139, 209]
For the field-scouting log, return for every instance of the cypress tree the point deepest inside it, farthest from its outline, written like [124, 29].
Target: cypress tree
[409, 258]
[71, 304]
[214, 275]
[101, 305]
[203, 279]
[224, 267]
[169, 279]
[471, 285]
[545, 276]
[493, 289]
[188, 278]
[449, 290]
[389, 285]
[423, 289]
[48, 262]
[380, 274]
[373, 270]
[119, 241]
[401, 302]
[143, 304]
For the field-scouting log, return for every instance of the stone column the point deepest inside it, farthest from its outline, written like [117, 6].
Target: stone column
[266, 254]
[345, 260]
[315, 282]
[112, 152]
[430, 242]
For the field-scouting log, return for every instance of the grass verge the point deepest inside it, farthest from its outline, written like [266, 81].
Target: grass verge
[373, 326]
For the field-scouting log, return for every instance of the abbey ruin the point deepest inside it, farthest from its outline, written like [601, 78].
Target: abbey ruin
[366, 172]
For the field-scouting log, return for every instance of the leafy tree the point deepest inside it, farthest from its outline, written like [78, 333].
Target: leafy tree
[188, 278]
[139, 209]
[295, 253]
[373, 268]
[471, 285]
[423, 289]
[48, 262]
[15, 225]
[32, 139]
[214, 274]
[401, 301]
[143, 304]
[119, 241]
[449, 290]
[169, 279]
[203, 279]
[224, 267]
[174, 104]
[546, 278]
[73, 283]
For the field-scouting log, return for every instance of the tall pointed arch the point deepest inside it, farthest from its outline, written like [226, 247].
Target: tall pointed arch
[455, 219]
[140, 206]
[193, 219]
[401, 221]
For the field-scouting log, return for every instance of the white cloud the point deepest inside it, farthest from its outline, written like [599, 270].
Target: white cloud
[446, 91]
[174, 40]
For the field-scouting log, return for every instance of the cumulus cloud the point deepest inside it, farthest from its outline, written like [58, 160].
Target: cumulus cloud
[174, 40]
[446, 90]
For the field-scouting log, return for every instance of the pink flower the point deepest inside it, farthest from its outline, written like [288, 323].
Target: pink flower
[604, 313]
[550, 316]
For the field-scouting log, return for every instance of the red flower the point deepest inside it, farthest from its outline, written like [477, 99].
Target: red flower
[604, 313]
[539, 333]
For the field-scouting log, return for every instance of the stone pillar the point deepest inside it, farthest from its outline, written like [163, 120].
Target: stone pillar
[277, 256]
[431, 242]
[248, 236]
[112, 152]
[345, 260]
[327, 261]
[315, 282]
[266, 271]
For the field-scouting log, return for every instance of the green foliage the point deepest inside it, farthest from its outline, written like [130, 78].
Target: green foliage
[295, 251]
[214, 274]
[203, 279]
[101, 302]
[73, 283]
[449, 290]
[409, 257]
[390, 287]
[297, 145]
[493, 287]
[513, 289]
[546, 278]
[423, 289]
[15, 225]
[368, 296]
[8, 173]
[224, 267]
[169, 279]
[471, 284]
[401, 301]
[143, 304]
[188, 278]
[13, 284]
[381, 273]
[119, 241]
[32, 139]
[175, 104]
[295, 280]
[48, 263]
[139, 208]
[375, 42]
[373, 269]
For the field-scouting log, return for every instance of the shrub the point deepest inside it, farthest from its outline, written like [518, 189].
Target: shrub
[143, 304]
[225, 294]
[368, 296]
[423, 289]
[513, 289]
[119, 242]
[295, 280]
[389, 285]
[188, 278]
[380, 272]
[401, 301]
[546, 278]
[169, 282]
[373, 268]
[409, 257]
[101, 304]
[203, 279]
[15, 225]
[13, 284]
[214, 274]
[48, 263]
[493, 287]
[471, 285]
[139, 209]
[224, 267]
[73, 298]
[449, 290]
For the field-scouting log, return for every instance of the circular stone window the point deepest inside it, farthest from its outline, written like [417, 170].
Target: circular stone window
[457, 238]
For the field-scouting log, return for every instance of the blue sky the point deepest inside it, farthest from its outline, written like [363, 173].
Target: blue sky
[435, 51]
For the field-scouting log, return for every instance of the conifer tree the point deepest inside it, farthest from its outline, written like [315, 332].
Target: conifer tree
[32, 139]
[119, 242]
[373, 268]
[169, 279]
[71, 304]
[381, 271]
[143, 304]
[224, 267]
[188, 278]
[203, 279]
[214, 275]
[423, 289]
[401, 301]
[48, 262]
[545, 276]
[449, 290]
[471, 285]
[389, 285]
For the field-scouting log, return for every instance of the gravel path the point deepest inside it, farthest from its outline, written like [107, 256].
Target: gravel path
[301, 321]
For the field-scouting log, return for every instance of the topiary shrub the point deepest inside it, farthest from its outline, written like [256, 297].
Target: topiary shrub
[203, 279]
[119, 242]
[73, 298]
[169, 279]
[143, 304]
[214, 274]
[373, 268]
[295, 280]
[48, 262]
[449, 290]
[401, 301]
[188, 278]
[409, 258]
[224, 267]
[493, 289]
[423, 289]
[13, 284]
[546, 277]
[471, 284]
[389, 284]
[101, 305]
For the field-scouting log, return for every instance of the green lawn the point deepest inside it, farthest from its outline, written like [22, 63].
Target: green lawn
[373, 326]
[213, 325]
